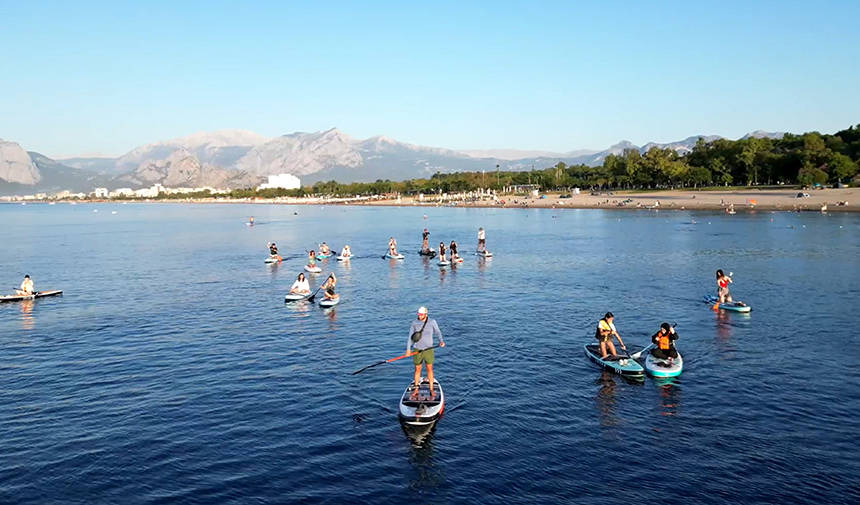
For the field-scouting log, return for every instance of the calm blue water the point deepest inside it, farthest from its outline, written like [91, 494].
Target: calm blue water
[171, 371]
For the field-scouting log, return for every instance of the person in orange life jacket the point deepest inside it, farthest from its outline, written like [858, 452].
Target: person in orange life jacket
[664, 341]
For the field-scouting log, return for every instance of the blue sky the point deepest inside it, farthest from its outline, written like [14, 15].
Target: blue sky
[90, 76]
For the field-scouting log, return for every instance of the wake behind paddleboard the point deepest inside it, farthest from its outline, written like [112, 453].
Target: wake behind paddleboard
[38, 294]
[418, 408]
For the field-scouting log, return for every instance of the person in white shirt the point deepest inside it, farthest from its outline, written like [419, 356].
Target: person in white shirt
[301, 285]
[346, 253]
[26, 286]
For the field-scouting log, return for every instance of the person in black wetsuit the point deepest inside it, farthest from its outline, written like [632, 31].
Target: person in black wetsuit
[453, 249]
[664, 341]
[442, 251]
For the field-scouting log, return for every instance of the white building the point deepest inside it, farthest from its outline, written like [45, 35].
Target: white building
[121, 192]
[101, 192]
[284, 181]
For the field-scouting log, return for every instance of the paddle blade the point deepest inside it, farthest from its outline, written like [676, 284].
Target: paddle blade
[716, 306]
[369, 366]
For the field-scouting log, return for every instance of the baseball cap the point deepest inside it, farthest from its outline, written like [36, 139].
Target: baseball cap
[422, 310]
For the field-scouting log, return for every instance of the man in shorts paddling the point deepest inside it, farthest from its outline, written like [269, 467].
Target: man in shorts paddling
[482, 241]
[423, 346]
[605, 332]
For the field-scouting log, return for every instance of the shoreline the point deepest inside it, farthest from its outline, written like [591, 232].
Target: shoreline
[741, 200]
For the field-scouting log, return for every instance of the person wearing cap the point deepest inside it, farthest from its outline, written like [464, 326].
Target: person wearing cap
[664, 343]
[421, 349]
[605, 331]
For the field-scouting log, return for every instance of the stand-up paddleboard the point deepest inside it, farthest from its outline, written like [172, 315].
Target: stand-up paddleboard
[344, 258]
[733, 306]
[484, 254]
[657, 367]
[391, 257]
[444, 263]
[329, 303]
[324, 256]
[295, 297]
[272, 260]
[622, 365]
[313, 270]
[37, 294]
[418, 408]
[429, 253]
[457, 260]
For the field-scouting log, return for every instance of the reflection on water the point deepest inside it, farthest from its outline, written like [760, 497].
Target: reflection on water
[331, 313]
[605, 399]
[426, 476]
[301, 308]
[28, 321]
[725, 330]
[670, 397]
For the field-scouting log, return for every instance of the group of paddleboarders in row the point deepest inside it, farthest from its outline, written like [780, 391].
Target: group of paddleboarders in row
[452, 248]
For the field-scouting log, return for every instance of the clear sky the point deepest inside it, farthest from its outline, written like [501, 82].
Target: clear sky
[105, 76]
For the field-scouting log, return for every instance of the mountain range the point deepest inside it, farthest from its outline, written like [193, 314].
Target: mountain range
[237, 158]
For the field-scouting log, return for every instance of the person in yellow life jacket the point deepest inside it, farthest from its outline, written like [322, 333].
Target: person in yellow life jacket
[26, 286]
[605, 331]
[664, 342]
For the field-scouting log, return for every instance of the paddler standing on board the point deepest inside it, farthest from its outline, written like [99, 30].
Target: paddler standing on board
[723, 282]
[26, 286]
[605, 331]
[482, 241]
[425, 241]
[419, 345]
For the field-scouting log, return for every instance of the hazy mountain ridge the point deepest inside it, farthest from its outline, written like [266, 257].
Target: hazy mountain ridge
[237, 158]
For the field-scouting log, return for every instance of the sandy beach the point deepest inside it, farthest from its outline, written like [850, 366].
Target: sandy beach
[741, 200]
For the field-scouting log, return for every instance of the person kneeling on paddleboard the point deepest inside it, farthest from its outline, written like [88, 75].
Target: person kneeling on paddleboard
[425, 241]
[723, 282]
[300, 286]
[664, 342]
[26, 286]
[324, 249]
[392, 247]
[273, 251]
[421, 341]
[312, 258]
[605, 331]
[346, 253]
[329, 286]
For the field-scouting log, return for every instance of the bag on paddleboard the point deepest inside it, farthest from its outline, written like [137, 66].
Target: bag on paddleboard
[417, 335]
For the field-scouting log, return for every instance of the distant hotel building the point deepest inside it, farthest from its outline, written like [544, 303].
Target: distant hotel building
[284, 181]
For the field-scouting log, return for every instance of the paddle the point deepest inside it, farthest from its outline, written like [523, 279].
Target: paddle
[311, 298]
[388, 361]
